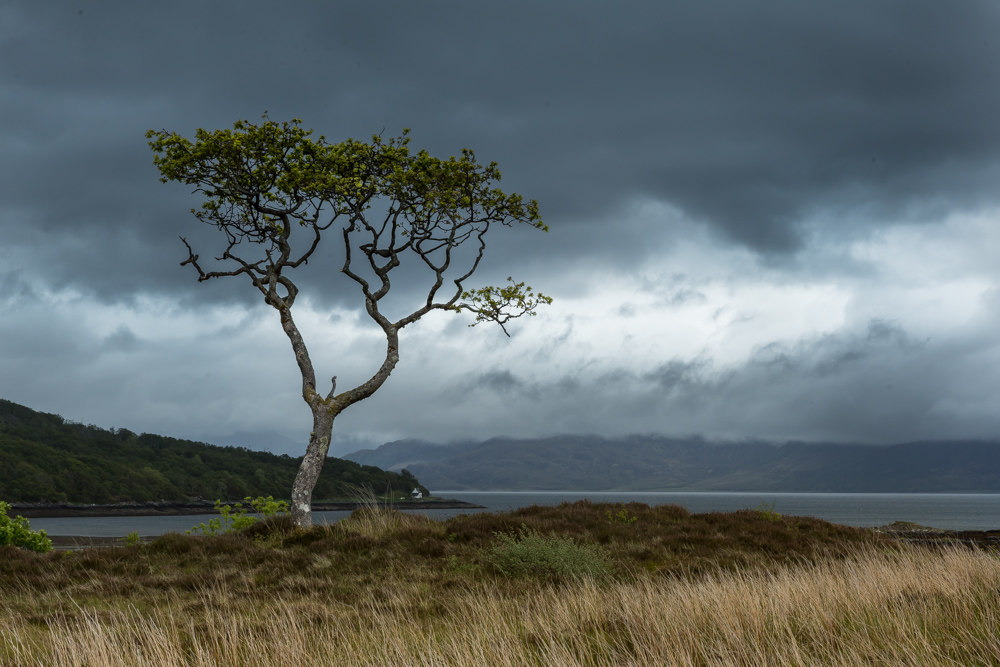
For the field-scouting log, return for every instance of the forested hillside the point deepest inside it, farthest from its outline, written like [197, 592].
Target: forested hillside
[43, 457]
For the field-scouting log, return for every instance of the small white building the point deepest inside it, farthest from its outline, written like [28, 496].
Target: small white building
[416, 495]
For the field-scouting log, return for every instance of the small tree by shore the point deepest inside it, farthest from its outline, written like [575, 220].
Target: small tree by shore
[390, 206]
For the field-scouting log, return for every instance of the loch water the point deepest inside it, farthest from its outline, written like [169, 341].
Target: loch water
[954, 511]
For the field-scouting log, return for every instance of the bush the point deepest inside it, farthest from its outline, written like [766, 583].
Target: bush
[622, 516]
[230, 521]
[133, 539]
[766, 511]
[17, 532]
[531, 554]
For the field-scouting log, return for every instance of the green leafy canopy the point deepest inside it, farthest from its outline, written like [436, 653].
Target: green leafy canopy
[258, 178]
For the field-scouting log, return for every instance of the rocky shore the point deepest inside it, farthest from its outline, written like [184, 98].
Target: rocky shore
[913, 533]
[166, 508]
[903, 531]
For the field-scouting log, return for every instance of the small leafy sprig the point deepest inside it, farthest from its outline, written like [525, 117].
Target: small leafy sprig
[622, 516]
[766, 511]
[133, 539]
[234, 517]
[502, 304]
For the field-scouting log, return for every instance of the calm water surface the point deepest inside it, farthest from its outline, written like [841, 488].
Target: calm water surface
[941, 510]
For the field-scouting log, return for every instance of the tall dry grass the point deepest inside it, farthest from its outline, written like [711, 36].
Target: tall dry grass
[372, 518]
[905, 606]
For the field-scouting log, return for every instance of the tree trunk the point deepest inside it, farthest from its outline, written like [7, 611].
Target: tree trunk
[312, 464]
[325, 410]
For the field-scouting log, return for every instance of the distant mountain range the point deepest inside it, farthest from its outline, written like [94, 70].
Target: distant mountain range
[648, 463]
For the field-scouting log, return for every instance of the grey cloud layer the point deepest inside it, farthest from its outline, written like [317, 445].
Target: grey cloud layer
[769, 126]
[876, 386]
[749, 118]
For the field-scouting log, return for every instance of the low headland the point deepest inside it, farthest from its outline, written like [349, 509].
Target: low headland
[170, 508]
[46, 460]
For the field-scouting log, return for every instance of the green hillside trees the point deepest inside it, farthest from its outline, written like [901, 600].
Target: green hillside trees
[44, 458]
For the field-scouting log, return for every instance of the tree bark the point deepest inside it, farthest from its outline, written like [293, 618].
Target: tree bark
[324, 411]
[312, 464]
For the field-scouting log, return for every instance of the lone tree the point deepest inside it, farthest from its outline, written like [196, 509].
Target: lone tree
[261, 182]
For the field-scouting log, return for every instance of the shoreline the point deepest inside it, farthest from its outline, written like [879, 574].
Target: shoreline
[903, 531]
[912, 533]
[68, 510]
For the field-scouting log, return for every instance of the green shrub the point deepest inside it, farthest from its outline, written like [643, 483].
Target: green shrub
[17, 531]
[766, 511]
[531, 554]
[622, 516]
[230, 521]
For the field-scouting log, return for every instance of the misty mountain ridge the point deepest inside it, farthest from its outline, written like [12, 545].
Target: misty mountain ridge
[655, 463]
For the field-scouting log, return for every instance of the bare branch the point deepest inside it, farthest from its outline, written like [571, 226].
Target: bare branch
[203, 275]
[304, 258]
[346, 269]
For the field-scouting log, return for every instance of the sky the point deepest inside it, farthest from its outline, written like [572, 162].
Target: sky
[773, 220]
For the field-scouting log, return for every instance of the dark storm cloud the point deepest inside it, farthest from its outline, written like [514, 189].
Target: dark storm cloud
[748, 117]
[498, 382]
[121, 339]
[875, 385]
[679, 377]
[757, 142]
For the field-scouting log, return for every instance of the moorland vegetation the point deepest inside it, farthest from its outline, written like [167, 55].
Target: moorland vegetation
[577, 584]
[45, 458]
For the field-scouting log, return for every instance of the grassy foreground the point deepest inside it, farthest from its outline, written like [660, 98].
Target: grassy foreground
[578, 584]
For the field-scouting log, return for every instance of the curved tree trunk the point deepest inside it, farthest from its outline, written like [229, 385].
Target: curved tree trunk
[324, 411]
[312, 465]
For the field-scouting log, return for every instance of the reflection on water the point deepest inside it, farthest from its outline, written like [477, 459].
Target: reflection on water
[117, 526]
[941, 510]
